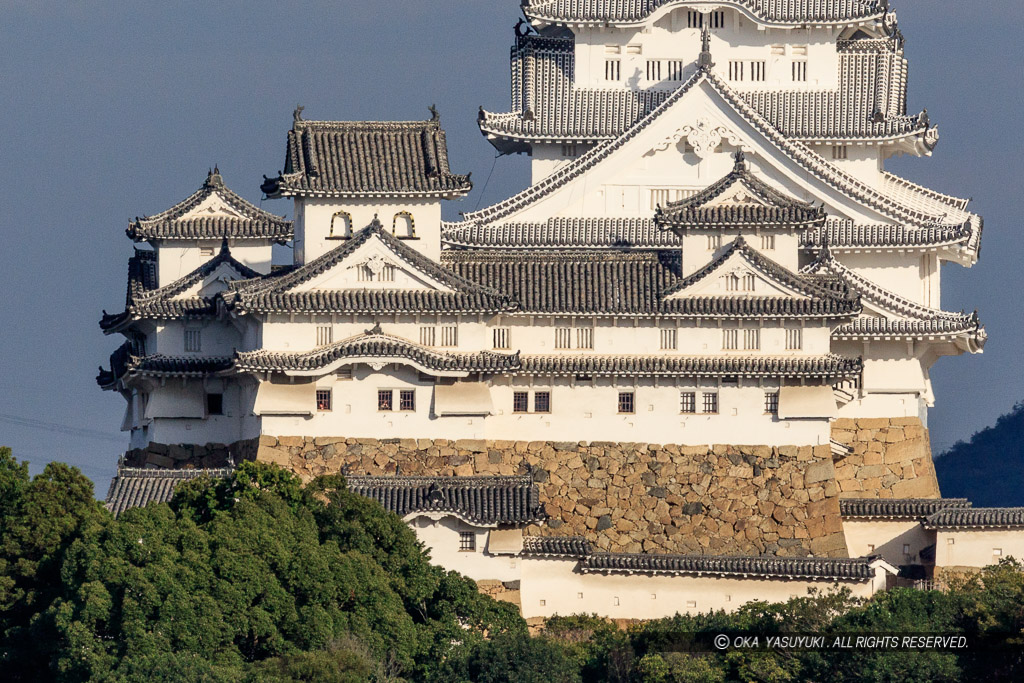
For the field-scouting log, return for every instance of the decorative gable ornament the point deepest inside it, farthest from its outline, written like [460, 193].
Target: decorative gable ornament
[703, 136]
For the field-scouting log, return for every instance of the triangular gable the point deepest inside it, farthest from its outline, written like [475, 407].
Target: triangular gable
[743, 272]
[374, 249]
[729, 117]
[214, 280]
[221, 268]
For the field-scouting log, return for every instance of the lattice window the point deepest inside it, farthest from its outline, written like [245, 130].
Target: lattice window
[428, 336]
[385, 399]
[771, 402]
[627, 402]
[653, 70]
[407, 399]
[542, 402]
[732, 282]
[563, 337]
[799, 71]
[768, 242]
[694, 19]
[323, 400]
[752, 340]
[612, 69]
[569, 150]
[669, 339]
[193, 341]
[714, 242]
[735, 70]
[520, 401]
[710, 402]
[659, 198]
[757, 70]
[324, 335]
[794, 339]
[585, 338]
[449, 335]
[839, 151]
[675, 70]
[749, 281]
[730, 340]
[502, 338]
[467, 542]
[716, 19]
[688, 402]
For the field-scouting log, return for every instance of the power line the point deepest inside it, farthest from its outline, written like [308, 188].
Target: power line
[57, 428]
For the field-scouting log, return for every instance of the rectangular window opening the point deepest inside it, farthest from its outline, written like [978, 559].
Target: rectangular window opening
[323, 400]
[794, 339]
[428, 336]
[467, 541]
[502, 337]
[449, 335]
[585, 338]
[710, 402]
[542, 402]
[215, 404]
[385, 400]
[193, 341]
[324, 335]
[730, 340]
[407, 399]
[612, 69]
[688, 402]
[627, 402]
[771, 402]
[563, 338]
[669, 339]
[520, 402]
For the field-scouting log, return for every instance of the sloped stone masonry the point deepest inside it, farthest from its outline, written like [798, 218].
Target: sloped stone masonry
[891, 458]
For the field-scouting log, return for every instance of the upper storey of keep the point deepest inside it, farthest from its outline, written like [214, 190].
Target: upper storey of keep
[821, 72]
[622, 13]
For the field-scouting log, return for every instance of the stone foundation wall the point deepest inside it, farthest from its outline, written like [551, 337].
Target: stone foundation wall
[625, 497]
[891, 458]
[186, 456]
[507, 591]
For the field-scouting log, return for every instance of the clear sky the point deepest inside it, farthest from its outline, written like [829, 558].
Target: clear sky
[109, 110]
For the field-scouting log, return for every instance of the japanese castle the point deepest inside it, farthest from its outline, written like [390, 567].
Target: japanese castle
[687, 349]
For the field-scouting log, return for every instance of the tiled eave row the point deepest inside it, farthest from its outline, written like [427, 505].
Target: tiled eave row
[896, 508]
[828, 367]
[135, 487]
[971, 518]
[485, 500]
[125, 364]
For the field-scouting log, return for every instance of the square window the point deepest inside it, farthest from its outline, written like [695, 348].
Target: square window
[585, 338]
[449, 335]
[611, 70]
[563, 338]
[627, 402]
[794, 339]
[768, 242]
[730, 340]
[407, 399]
[193, 341]
[323, 399]
[215, 404]
[752, 340]
[467, 542]
[688, 402]
[711, 402]
[385, 399]
[542, 402]
[669, 339]
[502, 338]
[771, 402]
[428, 336]
[997, 552]
[691, 604]
[324, 335]
[520, 402]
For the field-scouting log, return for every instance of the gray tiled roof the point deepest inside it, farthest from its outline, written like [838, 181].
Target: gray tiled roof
[614, 282]
[136, 487]
[251, 222]
[765, 208]
[769, 11]
[273, 294]
[384, 347]
[897, 508]
[840, 234]
[367, 158]
[124, 361]
[483, 499]
[829, 367]
[869, 103]
[758, 566]
[557, 546]
[976, 518]
[562, 233]
[163, 303]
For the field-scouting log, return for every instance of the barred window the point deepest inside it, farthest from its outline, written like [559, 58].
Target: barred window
[542, 402]
[839, 151]
[714, 242]
[800, 71]
[748, 282]
[611, 70]
[627, 402]
[323, 399]
[732, 282]
[585, 338]
[771, 402]
[716, 19]
[449, 335]
[659, 198]
[386, 273]
[669, 339]
[794, 339]
[428, 336]
[735, 70]
[193, 341]
[385, 399]
[654, 70]
[467, 541]
[710, 402]
[694, 19]
[768, 242]
[520, 402]
[757, 71]
[730, 340]
[688, 402]
[675, 70]
[324, 335]
[206, 251]
[563, 338]
[568, 149]
[407, 399]
[751, 340]
[502, 337]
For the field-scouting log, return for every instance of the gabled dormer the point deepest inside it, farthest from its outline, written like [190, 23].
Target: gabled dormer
[342, 174]
[190, 232]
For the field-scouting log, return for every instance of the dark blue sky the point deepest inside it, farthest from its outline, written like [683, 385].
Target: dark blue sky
[112, 109]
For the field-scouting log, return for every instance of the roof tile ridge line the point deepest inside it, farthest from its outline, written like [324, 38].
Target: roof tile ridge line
[934, 194]
[756, 9]
[232, 198]
[882, 296]
[581, 163]
[186, 281]
[814, 162]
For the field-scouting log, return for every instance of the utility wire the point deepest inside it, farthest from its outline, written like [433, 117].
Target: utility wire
[56, 428]
[480, 198]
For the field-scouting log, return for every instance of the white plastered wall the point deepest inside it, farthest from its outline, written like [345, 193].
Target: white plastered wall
[976, 548]
[442, 539]
[898, 542]
[176, 259]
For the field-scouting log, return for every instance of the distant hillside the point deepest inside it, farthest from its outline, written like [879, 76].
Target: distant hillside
[988, 469]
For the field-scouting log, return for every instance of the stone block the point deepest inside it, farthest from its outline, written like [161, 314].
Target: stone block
[869, 471]
[472, 445]
[921, 487]
[873, 422]
[905, 421]
[267, 440]
[276, 456]
[826, 545]
[904, 451]
[819, 471]
[290, 441]
[159, 460]
[604, 522]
